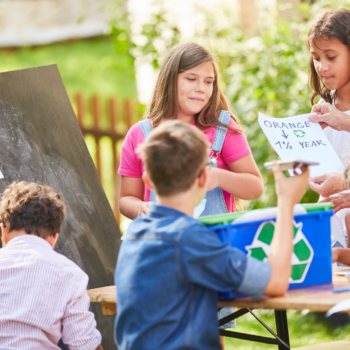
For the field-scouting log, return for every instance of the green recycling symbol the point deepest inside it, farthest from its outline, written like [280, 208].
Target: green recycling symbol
[299, 133]
[302, 253]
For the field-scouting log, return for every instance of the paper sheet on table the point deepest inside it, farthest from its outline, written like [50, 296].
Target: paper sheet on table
[1, 176]
[298, 138]
[342, 306]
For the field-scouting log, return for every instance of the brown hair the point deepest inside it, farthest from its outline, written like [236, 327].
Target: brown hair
[35, 208]
[174, 154]
[329, 24]
[164, 105]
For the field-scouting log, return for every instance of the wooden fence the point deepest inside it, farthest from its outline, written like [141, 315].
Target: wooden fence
[117, 114]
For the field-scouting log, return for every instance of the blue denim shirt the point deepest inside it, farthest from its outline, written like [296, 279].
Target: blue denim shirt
[169, 270]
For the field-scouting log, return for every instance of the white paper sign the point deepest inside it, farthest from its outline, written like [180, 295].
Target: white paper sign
[298, 138]
[1, 176]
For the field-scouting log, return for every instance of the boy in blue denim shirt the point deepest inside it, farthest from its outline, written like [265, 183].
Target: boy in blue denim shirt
[170, 266]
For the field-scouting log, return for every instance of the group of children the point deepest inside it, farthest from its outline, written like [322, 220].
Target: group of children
[188, 158]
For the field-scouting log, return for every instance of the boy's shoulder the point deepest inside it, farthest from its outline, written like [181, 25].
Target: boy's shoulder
[167, 226]
[40, 253]
[63, 262]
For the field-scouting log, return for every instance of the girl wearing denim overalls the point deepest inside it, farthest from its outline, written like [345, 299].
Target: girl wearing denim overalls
[187, 89]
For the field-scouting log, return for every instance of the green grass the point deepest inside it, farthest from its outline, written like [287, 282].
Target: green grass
[88, 66]
[305, 328]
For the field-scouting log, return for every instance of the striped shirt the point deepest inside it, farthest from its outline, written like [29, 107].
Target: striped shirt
[43, 299]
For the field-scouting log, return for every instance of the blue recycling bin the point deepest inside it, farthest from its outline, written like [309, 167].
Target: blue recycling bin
[312, 255]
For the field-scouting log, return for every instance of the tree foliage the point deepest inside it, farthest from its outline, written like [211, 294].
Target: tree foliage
[267, 72]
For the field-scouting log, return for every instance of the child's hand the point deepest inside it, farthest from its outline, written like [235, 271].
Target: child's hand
[213, 178]
[340, 201]
[341, 255]
[328, 115]
[144, 208]
[328, 184]
[290, 189]
[335, 254]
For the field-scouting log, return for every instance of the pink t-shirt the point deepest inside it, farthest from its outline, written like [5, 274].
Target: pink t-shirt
[234, 148]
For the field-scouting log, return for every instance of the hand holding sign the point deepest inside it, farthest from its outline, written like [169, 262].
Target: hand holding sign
[298, 138]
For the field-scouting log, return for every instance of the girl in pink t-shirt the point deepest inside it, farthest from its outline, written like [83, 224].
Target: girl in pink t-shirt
[187, 89]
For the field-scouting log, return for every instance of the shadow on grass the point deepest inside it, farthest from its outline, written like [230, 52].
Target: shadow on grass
[305, 328]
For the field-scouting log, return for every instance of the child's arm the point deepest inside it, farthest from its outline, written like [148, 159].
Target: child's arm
[289, 192]
[131, 202]
[243, 180]
[341, 255]
[328, 184]
[340, 201]
[78, 323]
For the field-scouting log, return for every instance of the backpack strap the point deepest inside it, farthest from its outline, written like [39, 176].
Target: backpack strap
[145, 127]
[146, 130]
[220, 131]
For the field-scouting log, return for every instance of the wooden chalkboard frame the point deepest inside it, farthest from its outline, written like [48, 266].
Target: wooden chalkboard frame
[40, 141]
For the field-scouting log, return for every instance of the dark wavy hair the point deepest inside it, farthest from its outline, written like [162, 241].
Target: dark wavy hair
[35, 208]
[329, 24]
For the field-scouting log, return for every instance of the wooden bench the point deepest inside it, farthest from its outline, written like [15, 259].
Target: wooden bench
[334, 345]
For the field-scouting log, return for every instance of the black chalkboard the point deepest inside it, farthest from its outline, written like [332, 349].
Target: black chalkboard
[40, 141]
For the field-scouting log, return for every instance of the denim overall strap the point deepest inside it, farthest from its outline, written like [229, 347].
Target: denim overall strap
[146, 129]
[215, 198]
[220, 131]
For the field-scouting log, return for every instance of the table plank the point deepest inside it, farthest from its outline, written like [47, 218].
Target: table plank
[317, 298]
[104, 294]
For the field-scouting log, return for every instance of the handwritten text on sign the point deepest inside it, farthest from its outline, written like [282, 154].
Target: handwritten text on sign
[298, 138]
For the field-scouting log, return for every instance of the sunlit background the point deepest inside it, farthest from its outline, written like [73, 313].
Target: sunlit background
[109, 52]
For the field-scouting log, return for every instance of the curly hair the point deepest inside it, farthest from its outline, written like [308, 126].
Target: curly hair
[35, 208]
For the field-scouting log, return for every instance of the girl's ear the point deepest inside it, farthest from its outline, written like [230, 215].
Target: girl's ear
[147, 181]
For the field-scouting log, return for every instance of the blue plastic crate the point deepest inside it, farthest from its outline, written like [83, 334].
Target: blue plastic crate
[316, 230]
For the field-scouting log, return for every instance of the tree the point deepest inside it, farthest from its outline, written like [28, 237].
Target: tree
[267, 72]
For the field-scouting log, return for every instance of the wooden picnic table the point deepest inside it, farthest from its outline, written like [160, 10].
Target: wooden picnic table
[318, 298]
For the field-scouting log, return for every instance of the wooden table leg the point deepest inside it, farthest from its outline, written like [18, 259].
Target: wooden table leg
[282, 328]
[109, 308]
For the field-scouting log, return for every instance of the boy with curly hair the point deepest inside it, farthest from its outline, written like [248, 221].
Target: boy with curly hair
[42, 293]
